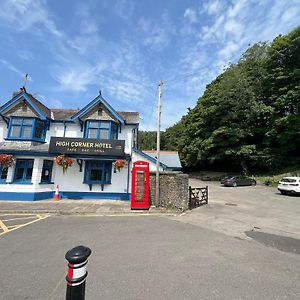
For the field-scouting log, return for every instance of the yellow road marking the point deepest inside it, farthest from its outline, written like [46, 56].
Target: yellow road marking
[20, 218]
[14, 227]
[21, 214]
[3, 227]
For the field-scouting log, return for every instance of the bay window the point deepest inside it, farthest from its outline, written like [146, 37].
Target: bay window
[24, 128]
[101, 130]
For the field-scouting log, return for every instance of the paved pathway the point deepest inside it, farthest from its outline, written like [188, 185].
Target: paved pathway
[75, 207]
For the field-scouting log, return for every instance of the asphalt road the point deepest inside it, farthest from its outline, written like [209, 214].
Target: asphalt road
[144, 257]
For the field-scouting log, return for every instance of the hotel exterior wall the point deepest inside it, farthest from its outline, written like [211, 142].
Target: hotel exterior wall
[73, 130]
[72, 181]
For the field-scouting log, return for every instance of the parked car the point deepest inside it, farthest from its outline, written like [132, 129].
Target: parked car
[239, 181]
[289, 185]
[224, 177]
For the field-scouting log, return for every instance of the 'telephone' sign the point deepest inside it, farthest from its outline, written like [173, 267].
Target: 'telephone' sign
[86, 146]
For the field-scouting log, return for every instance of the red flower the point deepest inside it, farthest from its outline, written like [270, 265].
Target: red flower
[6, 160]
[64, 162]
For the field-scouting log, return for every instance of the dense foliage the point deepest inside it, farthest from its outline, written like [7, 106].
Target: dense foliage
[249, 117]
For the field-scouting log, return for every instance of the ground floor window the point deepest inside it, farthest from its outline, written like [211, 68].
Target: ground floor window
[3, 174]
[97, 172]
[47, 171]
[23, 171]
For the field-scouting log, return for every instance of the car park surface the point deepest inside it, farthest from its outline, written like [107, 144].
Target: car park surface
[236, 210]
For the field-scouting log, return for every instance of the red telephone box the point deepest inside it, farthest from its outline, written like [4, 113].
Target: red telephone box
[140, 184]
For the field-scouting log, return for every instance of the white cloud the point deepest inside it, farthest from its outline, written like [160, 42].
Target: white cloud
[26, 55]
[227, 52]
[12, 68]
[191, 15]
[236, 9]
[212, 7]
[25, 14]
[290, 14]
[123, 8]
[76, 79]
[157, 34]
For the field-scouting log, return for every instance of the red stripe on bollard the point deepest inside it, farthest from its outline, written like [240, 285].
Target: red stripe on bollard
[77, 273]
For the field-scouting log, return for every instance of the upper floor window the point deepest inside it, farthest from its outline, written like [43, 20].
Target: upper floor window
[22, 128]
[101, 130]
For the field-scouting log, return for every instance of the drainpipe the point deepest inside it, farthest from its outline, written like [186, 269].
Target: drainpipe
[65, 128]
[128, 175]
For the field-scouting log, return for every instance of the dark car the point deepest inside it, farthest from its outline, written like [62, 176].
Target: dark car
[224, 177]
[239, 181]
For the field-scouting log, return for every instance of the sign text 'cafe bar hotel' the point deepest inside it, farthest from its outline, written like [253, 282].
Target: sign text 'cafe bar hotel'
[88, 152]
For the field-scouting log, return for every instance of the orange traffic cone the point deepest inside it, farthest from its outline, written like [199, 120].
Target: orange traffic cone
[56, 195]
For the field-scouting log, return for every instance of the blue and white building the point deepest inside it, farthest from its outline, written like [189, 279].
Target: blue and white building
[94, 137]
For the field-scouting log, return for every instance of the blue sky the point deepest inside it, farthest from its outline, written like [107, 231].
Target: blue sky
[71, 49]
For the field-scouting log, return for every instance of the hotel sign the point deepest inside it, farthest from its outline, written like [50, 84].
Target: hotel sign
[81, 146]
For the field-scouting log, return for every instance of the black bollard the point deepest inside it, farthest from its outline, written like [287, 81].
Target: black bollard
[77, 258]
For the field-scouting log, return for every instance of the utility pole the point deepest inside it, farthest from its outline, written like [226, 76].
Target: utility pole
[157, 201]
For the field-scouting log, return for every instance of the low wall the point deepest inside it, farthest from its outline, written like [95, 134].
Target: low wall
[174, 190]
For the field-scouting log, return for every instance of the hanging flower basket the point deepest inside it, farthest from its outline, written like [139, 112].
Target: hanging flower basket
[119, 164]
[64, 162]
[6, 160]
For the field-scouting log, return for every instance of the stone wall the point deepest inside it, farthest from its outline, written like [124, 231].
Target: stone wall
[174, 190]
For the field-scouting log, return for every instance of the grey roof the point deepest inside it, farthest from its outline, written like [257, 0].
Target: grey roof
[63, 114]
[44, 109]
[66, 114]
[23, 146]
[168, 158]
[130, 116]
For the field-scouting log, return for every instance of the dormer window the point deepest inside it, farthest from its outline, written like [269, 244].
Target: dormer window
[28, 129]
[101, 130]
